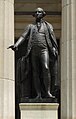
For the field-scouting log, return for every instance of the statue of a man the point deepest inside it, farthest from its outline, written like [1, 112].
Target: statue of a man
[42, 47]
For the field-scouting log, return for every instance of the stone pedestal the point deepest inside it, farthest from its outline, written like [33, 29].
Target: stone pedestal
[39, 110]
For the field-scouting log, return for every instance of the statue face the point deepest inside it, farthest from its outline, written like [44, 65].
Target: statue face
[39, 13]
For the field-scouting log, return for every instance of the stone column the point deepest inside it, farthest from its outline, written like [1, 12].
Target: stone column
[7, 92]
[68, 60]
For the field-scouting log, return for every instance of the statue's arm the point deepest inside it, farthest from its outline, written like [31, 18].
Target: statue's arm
[53, 36]
[21, 39]
[53, 39]
[55, 45]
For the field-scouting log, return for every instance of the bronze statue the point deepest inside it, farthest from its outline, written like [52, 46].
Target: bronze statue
[42, 49]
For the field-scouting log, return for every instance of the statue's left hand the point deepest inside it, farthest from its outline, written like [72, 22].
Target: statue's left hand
[55, 52]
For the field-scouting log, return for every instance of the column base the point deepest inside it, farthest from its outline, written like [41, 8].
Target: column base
[39, 110]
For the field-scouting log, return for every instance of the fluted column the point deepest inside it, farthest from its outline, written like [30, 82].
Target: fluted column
[7, 92]
[68, 60]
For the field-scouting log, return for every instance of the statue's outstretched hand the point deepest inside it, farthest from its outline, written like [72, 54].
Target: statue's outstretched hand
[12, 47]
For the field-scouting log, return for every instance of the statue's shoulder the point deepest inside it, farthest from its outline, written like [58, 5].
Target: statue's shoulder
[49, 25]
[28, 27]
[31, 26]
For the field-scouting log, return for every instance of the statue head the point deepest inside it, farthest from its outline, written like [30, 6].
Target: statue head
[39, 13]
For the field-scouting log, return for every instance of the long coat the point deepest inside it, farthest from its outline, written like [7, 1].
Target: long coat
[27, 35]
[24, 75]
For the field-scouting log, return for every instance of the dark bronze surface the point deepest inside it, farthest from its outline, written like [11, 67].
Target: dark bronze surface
[37, 67]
